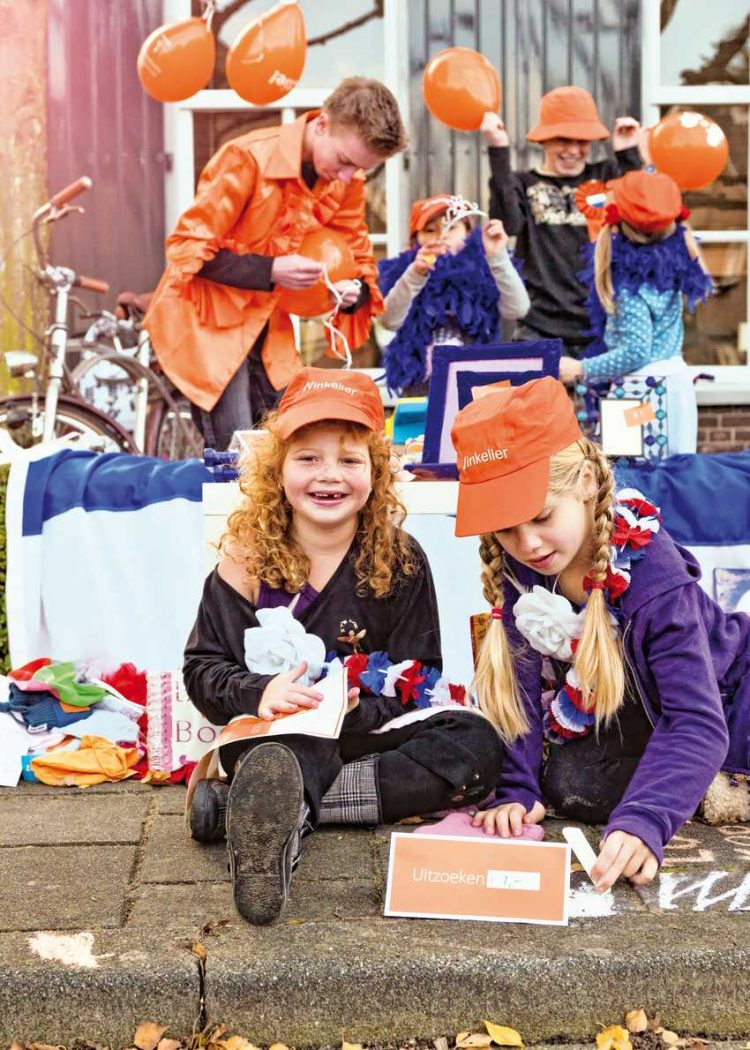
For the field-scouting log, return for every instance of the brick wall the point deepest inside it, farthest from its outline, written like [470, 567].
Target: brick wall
[723, 428]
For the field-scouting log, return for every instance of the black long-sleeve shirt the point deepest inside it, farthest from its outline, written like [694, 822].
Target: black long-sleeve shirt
[405, 624]
[540, 211]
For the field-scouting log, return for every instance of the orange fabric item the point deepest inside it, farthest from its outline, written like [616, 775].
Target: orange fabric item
[504, 443]
[568, 113]
[316, 394]
[647, 201]
[97, 760]
[424, 210]
[250, 198]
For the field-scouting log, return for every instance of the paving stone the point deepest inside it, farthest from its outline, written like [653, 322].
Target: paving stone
[338, 853]
[64, 887]
[40, 820]
[170, 855]
[170, 798]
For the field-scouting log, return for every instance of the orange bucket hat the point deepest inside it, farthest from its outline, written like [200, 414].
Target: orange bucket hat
[318, 394]
[424, 210]
[504, 443]
[568, 113]
[647, 201]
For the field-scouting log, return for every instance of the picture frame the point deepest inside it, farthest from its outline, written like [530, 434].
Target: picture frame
[469, 381]
[502, 360]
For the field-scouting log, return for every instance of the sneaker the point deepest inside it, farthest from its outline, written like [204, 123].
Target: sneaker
[265, 810]
[208, 812]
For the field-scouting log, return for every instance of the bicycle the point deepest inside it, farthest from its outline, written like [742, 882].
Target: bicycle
[61, 414]
[119, 374]
[161, 423]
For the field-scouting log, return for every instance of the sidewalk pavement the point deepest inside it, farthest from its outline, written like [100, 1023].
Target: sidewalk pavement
[108, 881]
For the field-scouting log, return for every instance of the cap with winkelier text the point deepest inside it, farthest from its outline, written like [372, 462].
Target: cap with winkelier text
[318, 394]
[504, 443]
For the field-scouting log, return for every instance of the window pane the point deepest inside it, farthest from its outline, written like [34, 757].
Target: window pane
[356, 52]
[712, 333]
[704, 43]
[723, 204]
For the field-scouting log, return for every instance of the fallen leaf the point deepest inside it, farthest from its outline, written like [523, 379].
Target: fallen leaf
[148, 1034]
[296, 922]
[614, 1038]
[351, 1046]
[278, 1046]
[213, 924]
[636, 1021]
[441, 1043]
[199, 949]
[18, 1044]
[236, 1042]
[670, 1038]
[473, 1039]
[168, 1044]
[43, 1046]
[503, 1036]
[460, 1036]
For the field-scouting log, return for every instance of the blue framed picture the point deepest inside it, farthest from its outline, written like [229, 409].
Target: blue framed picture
[503, 361]
[469, 382]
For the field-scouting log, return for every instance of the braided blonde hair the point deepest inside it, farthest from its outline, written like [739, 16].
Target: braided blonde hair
[598, 659]
[603, 255]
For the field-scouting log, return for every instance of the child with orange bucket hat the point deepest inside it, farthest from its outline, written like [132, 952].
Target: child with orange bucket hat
[644, 265]
[539, 208]
[314, 559]
[583, 581]
[452, 285]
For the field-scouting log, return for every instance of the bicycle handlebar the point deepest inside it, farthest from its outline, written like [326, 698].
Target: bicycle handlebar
[68, 193]
[91, 284]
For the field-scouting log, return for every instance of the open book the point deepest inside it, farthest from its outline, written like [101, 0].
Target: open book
[325, 720]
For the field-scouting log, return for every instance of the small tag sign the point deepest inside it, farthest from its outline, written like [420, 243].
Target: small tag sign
[639, 415]
[487, 879]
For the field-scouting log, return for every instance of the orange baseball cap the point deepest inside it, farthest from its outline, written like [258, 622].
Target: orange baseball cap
[503, 443]
[568, 113]
[424, 210]
[318, 394]
[647, 201]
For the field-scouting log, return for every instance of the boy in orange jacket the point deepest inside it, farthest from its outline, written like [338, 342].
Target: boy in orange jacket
[215, 321]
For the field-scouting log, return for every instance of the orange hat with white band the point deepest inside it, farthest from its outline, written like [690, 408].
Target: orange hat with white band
[504, 443]
[316, 395]
[424, 210]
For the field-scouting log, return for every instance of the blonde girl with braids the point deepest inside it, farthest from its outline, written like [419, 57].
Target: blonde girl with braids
[316, 548]
[619, 688]
[645, 262]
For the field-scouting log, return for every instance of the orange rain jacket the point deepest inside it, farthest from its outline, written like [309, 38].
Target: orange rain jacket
[250, 198]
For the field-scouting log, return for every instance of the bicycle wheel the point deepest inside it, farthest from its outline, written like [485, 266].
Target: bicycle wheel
[170, 437]
[20, 417]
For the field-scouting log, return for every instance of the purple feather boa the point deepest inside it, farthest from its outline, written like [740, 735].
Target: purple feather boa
[665, 266]
[460, 291]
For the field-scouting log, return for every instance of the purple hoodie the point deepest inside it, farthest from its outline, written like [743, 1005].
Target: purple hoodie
[691, 664]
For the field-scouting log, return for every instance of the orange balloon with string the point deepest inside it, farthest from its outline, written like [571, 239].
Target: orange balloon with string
[177, 60]
[459, 86]
[330, 248]
[267, 58]
[689, 147]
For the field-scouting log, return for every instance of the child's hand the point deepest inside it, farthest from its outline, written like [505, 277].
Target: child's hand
[494, 237]
[623, 854]
[284, 695]
[570, 370]
[508, 820]
[353, 702]
[427, 256]
[625, 133]
[493, 130]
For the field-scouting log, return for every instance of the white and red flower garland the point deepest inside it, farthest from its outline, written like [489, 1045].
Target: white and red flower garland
[636, 522]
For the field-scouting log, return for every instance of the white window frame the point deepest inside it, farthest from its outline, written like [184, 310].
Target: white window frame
[732, 382]
[179, 182]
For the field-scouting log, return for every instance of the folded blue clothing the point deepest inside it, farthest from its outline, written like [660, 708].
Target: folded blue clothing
[41, 710]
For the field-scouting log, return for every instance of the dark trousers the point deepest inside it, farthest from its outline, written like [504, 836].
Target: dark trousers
[443, 762]
[243, 404]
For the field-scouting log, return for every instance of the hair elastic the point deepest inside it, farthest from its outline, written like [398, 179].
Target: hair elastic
[596, 585]
[496, 613]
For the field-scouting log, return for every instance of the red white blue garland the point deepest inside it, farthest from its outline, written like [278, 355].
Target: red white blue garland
[377, 675]
[556, 633]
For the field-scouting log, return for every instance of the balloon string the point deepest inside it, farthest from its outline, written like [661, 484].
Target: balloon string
[328, 324]
[209, 10]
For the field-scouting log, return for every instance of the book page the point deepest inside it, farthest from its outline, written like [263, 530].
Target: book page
[325, 720]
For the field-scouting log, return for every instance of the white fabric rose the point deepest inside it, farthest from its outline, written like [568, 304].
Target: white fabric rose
[280, 643]
[547, 622]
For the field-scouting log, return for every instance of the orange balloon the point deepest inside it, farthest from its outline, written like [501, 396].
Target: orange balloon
[689, 147]
[459, 86]
[332, 249]
[177, 60]
[267, 58]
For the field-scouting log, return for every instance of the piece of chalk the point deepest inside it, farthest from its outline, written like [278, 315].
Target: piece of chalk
[581, 847]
